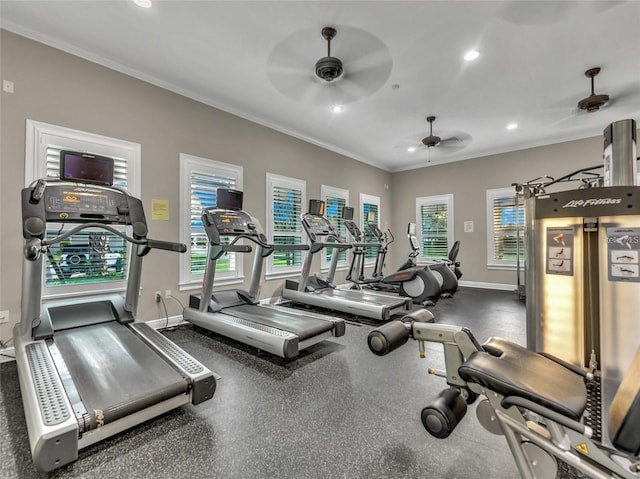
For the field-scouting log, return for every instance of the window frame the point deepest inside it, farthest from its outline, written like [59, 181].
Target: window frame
[340, 193]
[493, 262]
[370, 253]
[188, 165]
[434, 200]
[40, 136]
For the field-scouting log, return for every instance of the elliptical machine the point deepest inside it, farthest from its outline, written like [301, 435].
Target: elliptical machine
[447, 271]
[417, 283]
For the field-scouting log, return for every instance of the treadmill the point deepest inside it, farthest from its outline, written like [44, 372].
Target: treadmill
[322, 293]
[238, 314]
[87, 369]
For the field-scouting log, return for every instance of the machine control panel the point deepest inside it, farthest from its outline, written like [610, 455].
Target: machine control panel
[318, 225]
[82, 204]
[52, 201]
[229, 222]
[353, 229]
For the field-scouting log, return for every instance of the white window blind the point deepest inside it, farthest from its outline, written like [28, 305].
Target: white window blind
[335, 199]
[286, 198]
[94, 259]
[505, 228]
[434, 217]
[200, 178]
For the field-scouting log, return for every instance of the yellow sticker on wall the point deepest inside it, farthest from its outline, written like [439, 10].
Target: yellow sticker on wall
[160, 210]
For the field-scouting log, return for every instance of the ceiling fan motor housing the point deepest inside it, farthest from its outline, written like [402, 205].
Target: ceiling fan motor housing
[593, 102]
[431, 141]
[329, 68]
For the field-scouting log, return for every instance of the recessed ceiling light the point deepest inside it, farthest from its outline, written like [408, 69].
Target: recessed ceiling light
[411, 149]
[512, 126]
[337, 108]
[143, 3]
[471, 55]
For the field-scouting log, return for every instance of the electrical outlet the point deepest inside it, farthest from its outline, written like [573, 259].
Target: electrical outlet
[167, 293]
[158, 296]
[4, 316]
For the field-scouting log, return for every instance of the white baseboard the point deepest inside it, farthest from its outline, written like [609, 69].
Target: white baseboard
[477, 284]
[163, 323]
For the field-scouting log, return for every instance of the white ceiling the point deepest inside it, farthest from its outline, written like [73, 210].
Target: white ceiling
[403, 62]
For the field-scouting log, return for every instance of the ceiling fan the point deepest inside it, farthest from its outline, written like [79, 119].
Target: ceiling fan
[360, 68]
[432, 140]
[329, 68]
[593, 102]
[438, 146]
[625, 99]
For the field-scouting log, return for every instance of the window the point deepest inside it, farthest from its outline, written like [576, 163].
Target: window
[286, 198]
[199, 180]
[93, 260]
[434, 220]
[369, 213]
[505, 228]
[335, 199]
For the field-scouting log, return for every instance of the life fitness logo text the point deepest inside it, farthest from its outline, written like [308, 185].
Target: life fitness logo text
[593, 202]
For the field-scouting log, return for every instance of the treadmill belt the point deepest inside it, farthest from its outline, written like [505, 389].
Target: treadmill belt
[301, 326]
[115, 372]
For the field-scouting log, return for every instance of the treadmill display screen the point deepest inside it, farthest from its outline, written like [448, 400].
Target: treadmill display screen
[227, 199]
[347, 213]
[86, 168]
[316, 207]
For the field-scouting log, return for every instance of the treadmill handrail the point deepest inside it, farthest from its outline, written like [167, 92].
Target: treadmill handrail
[290, 247]
[236, 248]
[323, 244]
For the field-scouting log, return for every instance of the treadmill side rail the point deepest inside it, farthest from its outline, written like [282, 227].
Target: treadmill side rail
[202, 380]
[52, 426]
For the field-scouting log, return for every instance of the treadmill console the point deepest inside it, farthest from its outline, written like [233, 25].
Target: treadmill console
[318, 225]
[221, 222]
[61, 202]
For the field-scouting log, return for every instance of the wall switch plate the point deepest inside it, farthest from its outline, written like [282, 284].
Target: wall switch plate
[4, 316]
[7, 86]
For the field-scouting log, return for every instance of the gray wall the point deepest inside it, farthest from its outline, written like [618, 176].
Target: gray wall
[54, 87]
[469, 180]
